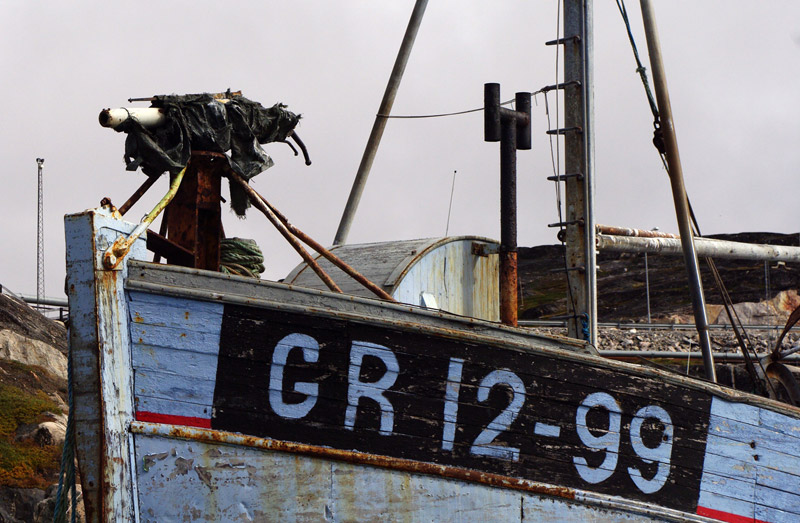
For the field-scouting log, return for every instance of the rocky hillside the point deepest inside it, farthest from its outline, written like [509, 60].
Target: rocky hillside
[621, 281]
[33, 411]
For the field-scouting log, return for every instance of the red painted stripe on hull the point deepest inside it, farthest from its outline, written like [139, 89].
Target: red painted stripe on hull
[726, 516]
[168, 419]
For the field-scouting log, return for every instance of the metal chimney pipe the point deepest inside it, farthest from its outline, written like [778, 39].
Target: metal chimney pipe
[513, 129]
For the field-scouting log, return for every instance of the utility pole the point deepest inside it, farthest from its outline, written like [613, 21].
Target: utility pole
[40, 239]
[578, 177]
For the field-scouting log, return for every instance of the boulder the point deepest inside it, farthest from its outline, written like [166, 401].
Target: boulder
[18, 317]
[51, 432]
[19, 504]
[45, 509]
[769, 312]
[31, 351]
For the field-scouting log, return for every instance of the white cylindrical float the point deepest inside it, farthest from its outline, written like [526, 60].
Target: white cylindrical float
[147, 116]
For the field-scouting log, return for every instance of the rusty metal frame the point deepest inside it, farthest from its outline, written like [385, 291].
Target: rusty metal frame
[291, 233]
[349, 456]
[119, 249]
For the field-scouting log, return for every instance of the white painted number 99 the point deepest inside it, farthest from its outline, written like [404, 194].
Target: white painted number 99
[609, 443]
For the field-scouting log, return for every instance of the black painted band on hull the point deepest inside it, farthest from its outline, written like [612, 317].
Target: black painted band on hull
[407, 395]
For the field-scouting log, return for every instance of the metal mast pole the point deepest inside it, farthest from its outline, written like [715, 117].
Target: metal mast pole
[578, 134]
[380, 122]
[40, 238]
[678, 187]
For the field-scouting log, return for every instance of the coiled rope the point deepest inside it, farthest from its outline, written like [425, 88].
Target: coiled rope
[242, 257]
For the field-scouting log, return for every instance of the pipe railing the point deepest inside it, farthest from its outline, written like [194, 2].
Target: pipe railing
[705, 247]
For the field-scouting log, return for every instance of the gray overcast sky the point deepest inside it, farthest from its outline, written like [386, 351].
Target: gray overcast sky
[733, 68]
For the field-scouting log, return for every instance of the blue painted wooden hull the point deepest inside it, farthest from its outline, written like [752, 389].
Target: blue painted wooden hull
[211, 397]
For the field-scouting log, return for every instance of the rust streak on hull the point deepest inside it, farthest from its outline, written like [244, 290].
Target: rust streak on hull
[349, 456]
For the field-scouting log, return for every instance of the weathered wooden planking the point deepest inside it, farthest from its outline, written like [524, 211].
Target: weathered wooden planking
[173, 386]
[178, 313]
[414, 408]
[752, 464]
[174, 353]
[100, 343]
[552, 374]
[180, 480]
[202, 285]
[731, 486]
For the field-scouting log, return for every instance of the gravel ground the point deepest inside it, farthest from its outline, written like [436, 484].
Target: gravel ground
[682, 340]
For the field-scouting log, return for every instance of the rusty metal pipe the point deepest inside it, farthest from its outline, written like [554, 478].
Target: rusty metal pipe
[512, 129]
[639, 233]
[706, 247]
[350, 271]
[508, 224]
[262, 206]
[137, 195]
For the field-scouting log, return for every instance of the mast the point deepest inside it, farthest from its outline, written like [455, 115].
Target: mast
[578, 132]
[380, 122]
[678, 188]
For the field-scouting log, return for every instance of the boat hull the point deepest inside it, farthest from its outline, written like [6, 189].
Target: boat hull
[191, 474]
[219, 398]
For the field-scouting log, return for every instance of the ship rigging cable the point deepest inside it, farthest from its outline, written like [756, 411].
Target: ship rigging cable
[658, 140]
[417, 116]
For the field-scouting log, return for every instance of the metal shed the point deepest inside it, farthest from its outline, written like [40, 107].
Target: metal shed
[456, 274]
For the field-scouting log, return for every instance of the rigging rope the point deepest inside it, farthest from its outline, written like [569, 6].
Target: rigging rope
[658, 139]
[66, 476]
[409, 116]
[641, 69]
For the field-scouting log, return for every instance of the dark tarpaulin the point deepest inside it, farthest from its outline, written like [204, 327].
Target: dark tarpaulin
[203, 123]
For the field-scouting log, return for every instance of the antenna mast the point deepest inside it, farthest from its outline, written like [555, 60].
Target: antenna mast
[40, 239]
